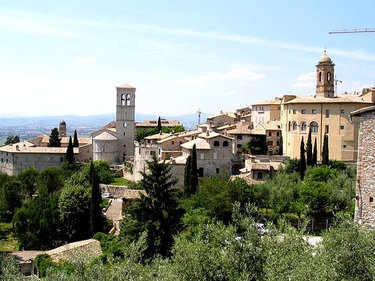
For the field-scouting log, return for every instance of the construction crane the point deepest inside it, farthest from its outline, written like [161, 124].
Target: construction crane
[356, 30]
[336, 81]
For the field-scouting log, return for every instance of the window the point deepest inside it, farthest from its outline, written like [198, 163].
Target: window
[202, 156]
[344, 146]
[128, 99]
[303, 126]
[313, 111]
[294, 111]
[342, 127]
[289, 126]
[371, 199]
[124, 125]
[225, 144]
[215, 155]
[216, 143]
[217, 170]
[327, 113]
[327, 129]
[320, 77]
[342, 111]
[329, 76]
[277, 143]
[277, 134]
[269, 143]
[61, 159]
[259, 175]
[295, 126]
[270, 134]
[200, 172]
[239, 145]
[239, 137]
[172, 142]
[303, 111]
[314, 127]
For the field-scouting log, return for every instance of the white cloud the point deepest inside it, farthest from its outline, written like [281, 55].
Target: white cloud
[234, 74]
[85, 60]
[307, 80]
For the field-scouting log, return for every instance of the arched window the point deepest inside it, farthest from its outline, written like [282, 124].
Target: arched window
[289, 126]
[216, 143]
[123, 99]
[320, 77]
[303, 126]
[225, 143]
[329, 76]
[125, 125]
[314, 127]
[128, 99]
[295, 126]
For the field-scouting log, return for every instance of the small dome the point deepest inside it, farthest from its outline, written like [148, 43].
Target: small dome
[325, 58]
[62, 123]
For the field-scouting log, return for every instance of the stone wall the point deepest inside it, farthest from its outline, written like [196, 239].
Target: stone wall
[365, 186]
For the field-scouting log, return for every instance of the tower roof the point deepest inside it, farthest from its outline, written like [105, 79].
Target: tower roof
[126, 86]
[325, 59]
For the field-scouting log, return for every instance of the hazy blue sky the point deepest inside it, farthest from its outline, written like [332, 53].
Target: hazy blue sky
[67, 57]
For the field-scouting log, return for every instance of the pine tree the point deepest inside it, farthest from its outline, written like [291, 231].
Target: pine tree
[309, 150]
[325, 153]
[54, 140]
[75, 139]
[302, 168]
[157, 213]
[69, 157]
[159, 125]
[315, 155]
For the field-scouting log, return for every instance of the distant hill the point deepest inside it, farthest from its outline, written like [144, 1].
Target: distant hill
[30, 127]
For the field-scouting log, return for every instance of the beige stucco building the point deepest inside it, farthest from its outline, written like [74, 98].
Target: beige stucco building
[324, 113]
[263, 112]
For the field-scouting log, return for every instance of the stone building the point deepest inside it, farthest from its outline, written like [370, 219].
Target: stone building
[263, 112]
[365, 185]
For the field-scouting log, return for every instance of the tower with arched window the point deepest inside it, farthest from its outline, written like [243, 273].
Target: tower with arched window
[325, 73]
[125, 121]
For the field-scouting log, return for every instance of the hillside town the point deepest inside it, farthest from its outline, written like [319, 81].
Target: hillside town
[220, 141]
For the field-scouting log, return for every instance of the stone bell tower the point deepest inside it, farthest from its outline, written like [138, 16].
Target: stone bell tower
[325, 73]
[125, 121]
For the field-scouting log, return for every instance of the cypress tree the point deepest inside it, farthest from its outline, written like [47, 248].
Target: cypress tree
[96, 199]
[302, 167]
[187, 175]
[159, 125]
[194, 171]
[70, 152]
[315, 155]
[75, 139]
[325, 153]
[309, 150]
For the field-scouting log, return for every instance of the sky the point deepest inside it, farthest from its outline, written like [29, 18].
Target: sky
[68, 57]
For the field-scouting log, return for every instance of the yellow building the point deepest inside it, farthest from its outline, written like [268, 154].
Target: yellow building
[324, 113]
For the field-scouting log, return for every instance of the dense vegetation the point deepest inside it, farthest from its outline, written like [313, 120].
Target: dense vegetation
[209, 234]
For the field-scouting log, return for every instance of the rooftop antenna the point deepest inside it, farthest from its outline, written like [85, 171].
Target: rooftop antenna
[336, 81]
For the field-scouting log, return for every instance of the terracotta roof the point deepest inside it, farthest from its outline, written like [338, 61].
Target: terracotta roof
[105, 136]
[342, 98]
[20, 148]
[268, 102]
[242, 128]
[154, 123]
[199, 143]
[359, 112]
[158, 136]
[230, 114]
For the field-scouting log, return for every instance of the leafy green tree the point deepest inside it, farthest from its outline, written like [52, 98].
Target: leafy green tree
[316, 198]
[29, 178]
[302, 168]
[37, 223]
[325, 152]
[12, 139]
[69, 157]
[74, 207]
[309, 150]
[54, 140]
[258, 145]
[75, 139]
[9, 270]
[11, 198]
[51, 179]
[104, 171]
[157, 213]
